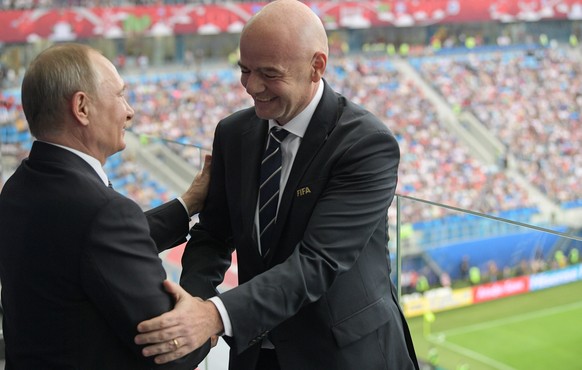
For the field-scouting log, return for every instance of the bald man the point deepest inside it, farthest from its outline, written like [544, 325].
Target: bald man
[317, 294]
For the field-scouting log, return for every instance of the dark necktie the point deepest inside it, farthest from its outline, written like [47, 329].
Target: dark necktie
[269, 190]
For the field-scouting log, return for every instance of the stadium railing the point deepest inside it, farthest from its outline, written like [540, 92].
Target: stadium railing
[484, 298]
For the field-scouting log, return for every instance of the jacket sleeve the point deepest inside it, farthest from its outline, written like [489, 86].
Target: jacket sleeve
[208, 253]
[122, 275]
[168, 224]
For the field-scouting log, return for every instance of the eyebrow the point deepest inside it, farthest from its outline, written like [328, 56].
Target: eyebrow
[261, 69]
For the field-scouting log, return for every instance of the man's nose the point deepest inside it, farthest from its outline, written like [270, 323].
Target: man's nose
[130, 112]
[254, 84]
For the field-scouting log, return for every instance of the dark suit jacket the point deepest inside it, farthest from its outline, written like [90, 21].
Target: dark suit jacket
[78, 267]
[324, 298]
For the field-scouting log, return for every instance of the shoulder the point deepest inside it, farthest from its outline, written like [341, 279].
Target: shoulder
[357, 124]
[351, 116]
[238, 119]
[241, 124]
[93, 195]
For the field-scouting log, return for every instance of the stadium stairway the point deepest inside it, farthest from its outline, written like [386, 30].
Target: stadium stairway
[475, 143]
[487, 148]
[162, 163]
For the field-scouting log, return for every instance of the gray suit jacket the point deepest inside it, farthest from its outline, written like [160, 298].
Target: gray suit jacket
[324, 297]
[80, 268]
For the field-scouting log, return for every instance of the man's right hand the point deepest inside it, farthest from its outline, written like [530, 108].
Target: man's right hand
[180, 331]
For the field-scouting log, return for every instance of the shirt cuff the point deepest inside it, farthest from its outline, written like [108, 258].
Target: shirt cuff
[223, 315]
[185, 208]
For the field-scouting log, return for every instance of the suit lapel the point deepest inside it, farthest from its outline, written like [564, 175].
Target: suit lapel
[315, 136]
[252, 146]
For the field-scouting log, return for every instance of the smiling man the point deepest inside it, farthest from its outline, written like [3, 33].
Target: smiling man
[78, 261]
[314, 273]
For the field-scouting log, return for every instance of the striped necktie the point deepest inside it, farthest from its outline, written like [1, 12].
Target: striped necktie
[269, 190]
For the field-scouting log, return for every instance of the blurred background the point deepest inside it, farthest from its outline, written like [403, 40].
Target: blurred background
[484, 98]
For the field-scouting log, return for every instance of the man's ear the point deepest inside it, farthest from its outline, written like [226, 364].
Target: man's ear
[318, 64]
[80, 107]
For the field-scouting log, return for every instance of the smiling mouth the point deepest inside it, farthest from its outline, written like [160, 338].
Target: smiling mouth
[264, 100]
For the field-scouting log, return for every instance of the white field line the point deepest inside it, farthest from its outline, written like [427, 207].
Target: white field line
[516, 318]
[440, 338]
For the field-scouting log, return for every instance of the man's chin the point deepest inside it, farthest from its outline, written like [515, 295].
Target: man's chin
[262, 114]
[121, 147]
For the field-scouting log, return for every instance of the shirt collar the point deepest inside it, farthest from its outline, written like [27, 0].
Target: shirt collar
[298, 125]
[93, 162]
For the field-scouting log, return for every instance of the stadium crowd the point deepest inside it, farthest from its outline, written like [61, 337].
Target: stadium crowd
[434, 164]
[531, 101]
[185, 107]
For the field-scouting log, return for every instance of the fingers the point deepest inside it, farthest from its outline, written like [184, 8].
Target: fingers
[203, 176]
[159, 341]
[165, 320]
[213, 341]
[195, 196]
[207, 164]
[171, 323]
[174, 289]
[167, 351]
[180, 331]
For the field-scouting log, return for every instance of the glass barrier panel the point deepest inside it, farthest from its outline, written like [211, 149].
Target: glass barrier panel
[484, 292]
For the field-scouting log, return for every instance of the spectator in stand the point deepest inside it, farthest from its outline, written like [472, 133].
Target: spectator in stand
[464, 268]
[474, 275]
[493, 273]
[79, 262]
[573, 256]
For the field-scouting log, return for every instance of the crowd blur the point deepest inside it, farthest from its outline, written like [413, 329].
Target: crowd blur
[531, 101]
[533, 107]
[434, 164]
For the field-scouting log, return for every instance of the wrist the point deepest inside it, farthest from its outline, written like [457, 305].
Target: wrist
[215, 320]
[192, 206]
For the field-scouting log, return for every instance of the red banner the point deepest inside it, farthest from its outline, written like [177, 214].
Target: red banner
[80, 23]
[500, 289]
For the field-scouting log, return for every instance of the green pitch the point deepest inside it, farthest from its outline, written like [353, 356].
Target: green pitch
[534, 331]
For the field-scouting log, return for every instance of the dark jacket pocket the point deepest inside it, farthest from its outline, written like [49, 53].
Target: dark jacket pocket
[361, 323]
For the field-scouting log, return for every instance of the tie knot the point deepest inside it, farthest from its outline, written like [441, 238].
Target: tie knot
[279, 133]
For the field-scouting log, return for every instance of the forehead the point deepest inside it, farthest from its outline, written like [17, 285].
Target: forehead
[257, 56]
[105, 70]
[261, 41]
